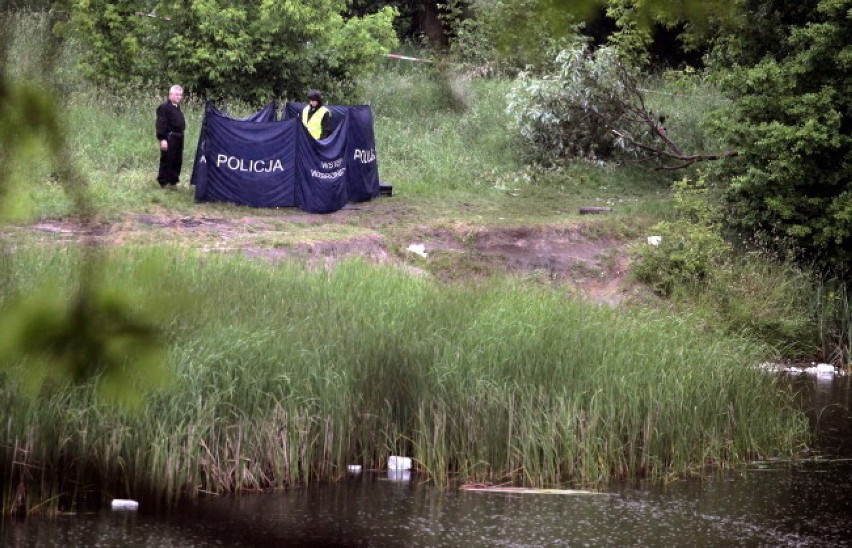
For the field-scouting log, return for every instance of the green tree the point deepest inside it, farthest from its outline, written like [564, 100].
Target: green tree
[512, 33]
[230, 48]
[654, 36]
[518, 33]
[405, 23]
[791, 120]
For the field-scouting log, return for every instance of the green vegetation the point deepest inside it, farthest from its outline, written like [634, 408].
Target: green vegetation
[799, 312]
[791, 118]
[434, 154]
[275, 375]
[595, 105]
[282, 375]
[229, 49]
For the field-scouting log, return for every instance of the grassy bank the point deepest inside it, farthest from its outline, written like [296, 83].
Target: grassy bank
[282, 375]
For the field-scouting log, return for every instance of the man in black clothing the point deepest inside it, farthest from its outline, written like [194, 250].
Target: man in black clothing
[170, 128]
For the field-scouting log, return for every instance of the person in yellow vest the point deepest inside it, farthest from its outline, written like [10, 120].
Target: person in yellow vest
[316, 117]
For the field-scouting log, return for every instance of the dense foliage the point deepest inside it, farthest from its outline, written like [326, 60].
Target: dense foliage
[511, 35]
[592, 104]
[690, 249]
[557, 114]
[479, 32]
[230, 48]
[791, 118]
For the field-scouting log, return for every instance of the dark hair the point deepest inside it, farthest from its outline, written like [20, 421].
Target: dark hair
[314, 95]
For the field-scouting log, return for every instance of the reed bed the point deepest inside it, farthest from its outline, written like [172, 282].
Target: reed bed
[284, 375]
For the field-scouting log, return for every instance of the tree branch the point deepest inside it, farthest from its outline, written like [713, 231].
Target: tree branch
[686, 159]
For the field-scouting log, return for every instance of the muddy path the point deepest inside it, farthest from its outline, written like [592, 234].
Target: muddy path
[567, 255]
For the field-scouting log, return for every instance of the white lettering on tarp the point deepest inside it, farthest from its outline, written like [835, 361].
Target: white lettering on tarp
[203, 160]
[365, 155]
[333, 175]
[252, 166]
[334, 164]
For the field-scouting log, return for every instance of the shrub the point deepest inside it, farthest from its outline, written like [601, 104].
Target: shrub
[687, 255]
[691, 248]
[557, 115]
[593, 105]
[791, 120]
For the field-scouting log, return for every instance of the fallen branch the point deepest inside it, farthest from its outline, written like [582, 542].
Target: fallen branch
[686, 159]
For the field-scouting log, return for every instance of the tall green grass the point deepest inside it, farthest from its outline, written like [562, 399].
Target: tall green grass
[831, 302]
[284, 375]
[688, 100]
[441, 132]
[803, 316]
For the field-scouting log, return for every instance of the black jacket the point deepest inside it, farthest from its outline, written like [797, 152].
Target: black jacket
[170, 121]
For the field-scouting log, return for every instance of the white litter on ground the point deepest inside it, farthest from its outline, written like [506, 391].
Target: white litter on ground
[654, 240]
[420, 249]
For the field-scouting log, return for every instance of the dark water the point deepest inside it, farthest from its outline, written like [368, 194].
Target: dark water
[809, 504]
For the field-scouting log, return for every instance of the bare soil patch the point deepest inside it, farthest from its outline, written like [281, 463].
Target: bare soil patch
[563, 255]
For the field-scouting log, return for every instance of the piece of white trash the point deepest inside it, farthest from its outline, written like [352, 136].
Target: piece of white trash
[353, 468]
[124, 504]
[420, 249]
[654, 240]
[397, 474]
[399, 463]
[822, 370]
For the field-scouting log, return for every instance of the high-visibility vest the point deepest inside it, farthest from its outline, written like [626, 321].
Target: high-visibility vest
[314, 125]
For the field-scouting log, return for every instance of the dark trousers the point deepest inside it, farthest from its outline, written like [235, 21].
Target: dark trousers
[171, 161]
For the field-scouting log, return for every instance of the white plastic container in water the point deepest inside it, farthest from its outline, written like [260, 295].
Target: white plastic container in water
[825, 369]
[353, 468]
[124, 504]
[398, 474]
[399, 463]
